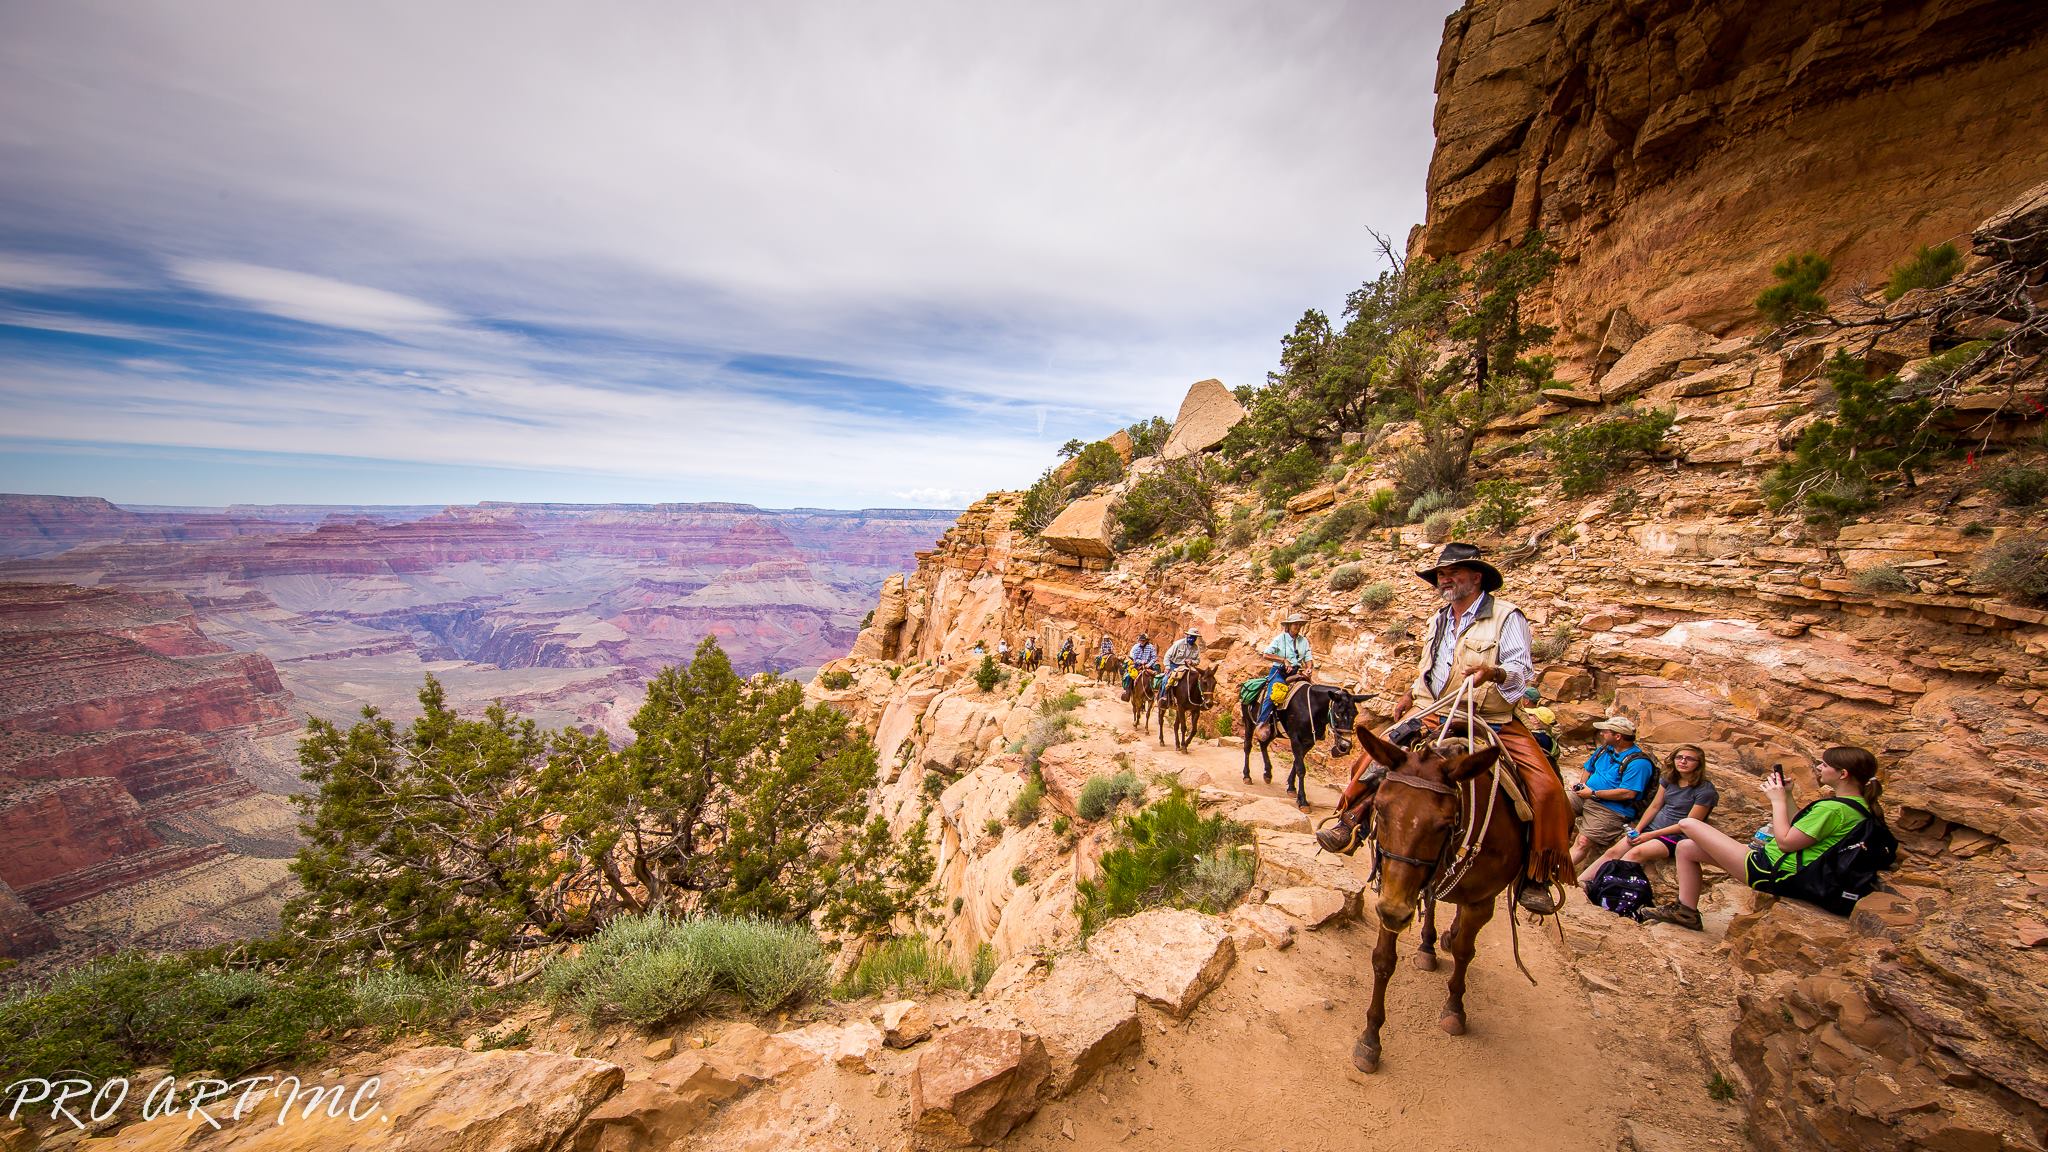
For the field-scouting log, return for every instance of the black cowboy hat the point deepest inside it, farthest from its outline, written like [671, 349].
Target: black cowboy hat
[1461, 555]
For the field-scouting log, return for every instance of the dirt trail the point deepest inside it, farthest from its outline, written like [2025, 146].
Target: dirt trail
[1265, 1061]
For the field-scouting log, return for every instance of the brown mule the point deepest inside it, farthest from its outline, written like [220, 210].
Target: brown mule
[1142, 696]
[1423, 812]
[1186, 698]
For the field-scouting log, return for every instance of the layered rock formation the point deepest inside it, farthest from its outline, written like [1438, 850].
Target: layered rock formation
[122, 728]
[1674, 152]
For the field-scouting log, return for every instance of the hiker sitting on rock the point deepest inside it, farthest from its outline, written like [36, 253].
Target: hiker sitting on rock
[1143, 656]
[1790, 862]
[1291, 661]
[1615, 791]
[1684, 792]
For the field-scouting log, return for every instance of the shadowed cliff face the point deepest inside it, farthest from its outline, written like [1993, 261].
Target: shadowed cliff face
[1675, 151]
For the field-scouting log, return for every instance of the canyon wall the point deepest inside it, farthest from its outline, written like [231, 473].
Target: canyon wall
[1674, 151]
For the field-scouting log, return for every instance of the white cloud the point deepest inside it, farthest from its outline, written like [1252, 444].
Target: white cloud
[314, 299]
[937, 497]
[24, 272]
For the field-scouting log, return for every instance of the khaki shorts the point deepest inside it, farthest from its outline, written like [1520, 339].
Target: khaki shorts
[1599, 824]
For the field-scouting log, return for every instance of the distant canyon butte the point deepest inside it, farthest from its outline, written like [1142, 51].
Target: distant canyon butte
[157, 666]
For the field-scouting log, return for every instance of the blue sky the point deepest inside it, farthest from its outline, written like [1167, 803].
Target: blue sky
[823, 255]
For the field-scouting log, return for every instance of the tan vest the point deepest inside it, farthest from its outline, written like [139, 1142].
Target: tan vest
[1477, 648]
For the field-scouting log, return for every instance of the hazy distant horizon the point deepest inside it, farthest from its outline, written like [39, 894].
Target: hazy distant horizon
[430, 506]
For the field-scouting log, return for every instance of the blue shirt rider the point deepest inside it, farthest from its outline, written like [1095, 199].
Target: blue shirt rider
[1292, 656]
[1143, 655]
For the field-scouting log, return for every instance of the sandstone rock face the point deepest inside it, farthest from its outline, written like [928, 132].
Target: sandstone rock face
[1083, 529]
[1086, 1016]
[1207, 414]
[1675, 152]
[973, 1085]
[847, 1045]
[431, 1099]
[1169, 956]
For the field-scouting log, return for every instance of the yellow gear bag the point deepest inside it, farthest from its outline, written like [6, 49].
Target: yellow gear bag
[1280, 692]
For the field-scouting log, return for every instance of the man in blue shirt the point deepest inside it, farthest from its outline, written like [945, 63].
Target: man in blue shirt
[1619, 779]
[1143, 655]
[1291, 655]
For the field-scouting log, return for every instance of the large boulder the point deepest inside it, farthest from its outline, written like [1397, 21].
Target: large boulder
[1169, 956]
[1653, 360]
[973, 1085]
[2019, 232]
[1086, 1016]
[847, 1045]
[1083, 529]
[433, 1099]
[1207, 414]
[1293, 859]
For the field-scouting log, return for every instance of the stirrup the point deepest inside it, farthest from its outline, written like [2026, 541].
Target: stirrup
[1344, 839]
[1548, 897]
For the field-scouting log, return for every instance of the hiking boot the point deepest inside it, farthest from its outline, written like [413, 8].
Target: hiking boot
[1673, 913]
[1261, 734]
[1536, 898]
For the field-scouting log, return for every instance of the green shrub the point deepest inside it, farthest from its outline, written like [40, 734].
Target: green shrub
[2017, 567]
[1282, 573]
[2018, 485]
[1177, 496]
[1879, 426]
[984, 965]
[1060, 824]
[1882, 578]
[1585, 455]
[1288, 474]
[905, 966]
[1439, 526]
[836, 680]
[1024, 809]
[108, 1017]
[1977, 528]
[1796, 295]
[1148, 436]
[1198, 550]
[1346, 578]
[1103, 793]
[1168, 854]
[399, 1001]
[1383, 507]
[1020, 875]
[992, 826]
[1376, 595]
[1499, 505]
[1939, 370]
[1624, 502]
[988, 675]
[895, 670]
[1241, 535]
[1223, 724]
[1335, 474]
[1344, 522]
[1719, 1089]
[1436, 466]
[653, 968]
[934, 783]
[1929, 268]
[1431, 502]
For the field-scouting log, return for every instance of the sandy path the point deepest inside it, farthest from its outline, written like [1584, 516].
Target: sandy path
[1265, 1061]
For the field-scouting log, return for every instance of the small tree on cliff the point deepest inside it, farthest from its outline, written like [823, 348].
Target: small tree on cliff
[433, 843]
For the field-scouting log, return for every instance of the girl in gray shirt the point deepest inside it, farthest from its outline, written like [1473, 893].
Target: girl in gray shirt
[1682, 790]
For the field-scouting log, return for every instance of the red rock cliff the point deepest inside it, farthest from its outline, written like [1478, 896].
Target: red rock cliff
[1675, 151]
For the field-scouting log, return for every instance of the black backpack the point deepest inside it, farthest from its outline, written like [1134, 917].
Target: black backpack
[1621, 887]
[1641, 803]
[1847, 871]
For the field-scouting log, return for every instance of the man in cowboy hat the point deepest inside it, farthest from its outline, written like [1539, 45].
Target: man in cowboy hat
[1479, 638]
[1291, 656]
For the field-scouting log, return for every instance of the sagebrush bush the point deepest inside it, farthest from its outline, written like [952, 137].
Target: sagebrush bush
[107, 1017]
[984, 965]
[1434, 467]
[1024, 809]
[2017, 567]
[1796, 295]
[1383, 508]
[1882, 578]
[1346, 577]
[2018, 485]
[1439, 526]
[1552, 645]
[1585, 455]
[400, 1001]
[1168, 854]
[1430, 502]
[1929, 268]
[905, 966]
[1376, 595]
[1103, 793]
[654, 968]
[1198, 550]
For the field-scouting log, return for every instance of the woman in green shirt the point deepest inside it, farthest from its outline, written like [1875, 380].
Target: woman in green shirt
[1850, 773]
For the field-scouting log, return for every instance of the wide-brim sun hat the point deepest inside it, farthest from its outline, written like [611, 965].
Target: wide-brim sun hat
[1461, 555]
[1295, 618]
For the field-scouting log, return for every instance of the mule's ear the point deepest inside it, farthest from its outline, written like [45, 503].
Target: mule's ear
[1472, 763]
[1379, 749]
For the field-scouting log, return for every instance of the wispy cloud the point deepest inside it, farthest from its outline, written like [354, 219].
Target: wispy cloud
[842, 252]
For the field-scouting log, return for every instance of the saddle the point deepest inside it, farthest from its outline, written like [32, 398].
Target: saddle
[1352, 824]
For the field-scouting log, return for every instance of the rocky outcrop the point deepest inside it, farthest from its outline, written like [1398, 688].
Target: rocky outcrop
[1207, 414]
[973, 1085]
[1083, 528]
[1086, 1016]
[1169, 956]
[1674, 151]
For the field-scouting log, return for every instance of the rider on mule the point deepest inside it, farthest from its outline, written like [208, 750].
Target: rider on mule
[1144, 658]
[1066, 655]
[1480, 637]
[1185, 653]
[1291, 655]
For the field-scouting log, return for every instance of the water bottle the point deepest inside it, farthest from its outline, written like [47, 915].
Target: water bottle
[1763, 837]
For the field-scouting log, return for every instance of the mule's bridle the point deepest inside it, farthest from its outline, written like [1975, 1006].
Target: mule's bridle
[1429, 867]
